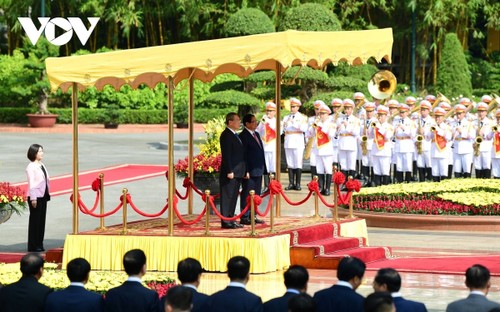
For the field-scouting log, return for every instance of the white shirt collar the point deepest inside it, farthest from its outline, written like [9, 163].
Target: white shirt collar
[293, 291]
[477, 292]
[134, 279]
[76, 284]
[396, 294]
[190, 286]
[237, 284]
[344, 283]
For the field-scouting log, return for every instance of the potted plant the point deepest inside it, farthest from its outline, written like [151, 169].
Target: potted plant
[181, 113]
[11, 200]
[110, 117]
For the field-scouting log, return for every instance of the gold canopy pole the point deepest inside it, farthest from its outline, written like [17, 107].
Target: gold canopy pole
[171, 171]
[74, 120]
[277, 100]
[190, 139]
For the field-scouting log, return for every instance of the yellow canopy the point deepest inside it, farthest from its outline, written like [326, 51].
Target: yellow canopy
[204, 60]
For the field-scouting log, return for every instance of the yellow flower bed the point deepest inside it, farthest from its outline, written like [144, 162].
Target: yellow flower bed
[480, 198]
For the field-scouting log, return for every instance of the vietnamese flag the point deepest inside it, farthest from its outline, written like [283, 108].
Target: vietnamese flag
[321, 137]
[379, 139]
[496, 142]
[440, 141]
[269, 133]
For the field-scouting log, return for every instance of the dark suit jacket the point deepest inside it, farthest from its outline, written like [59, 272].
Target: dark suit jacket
[279, 304]
[131, 297]
[473, 303]
[233, 299]
[233, 158]
[26, 295]
[199, 300]
[254, 154]
[339, 298]
[403, 305]
[75, 299]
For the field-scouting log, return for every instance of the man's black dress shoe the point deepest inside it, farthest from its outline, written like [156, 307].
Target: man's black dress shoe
[36, 250]
[232, 225]
[246, 221]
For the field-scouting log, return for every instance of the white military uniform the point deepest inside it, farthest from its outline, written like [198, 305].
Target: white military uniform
[348, 132]
[404, 132]
[463, 137]
[312, 157]
[381, 156]
[439, 155]
[294, 126]
[267, 130]
[495, 150]
[324, 152]
[483, 161]
[424, 158]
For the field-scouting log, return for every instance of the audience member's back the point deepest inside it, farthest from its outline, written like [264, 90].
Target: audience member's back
[296, 278]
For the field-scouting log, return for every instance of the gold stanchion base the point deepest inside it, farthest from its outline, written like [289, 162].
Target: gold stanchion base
[101, 228]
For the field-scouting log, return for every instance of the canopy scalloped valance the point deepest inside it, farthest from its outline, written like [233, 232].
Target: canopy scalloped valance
[204, 60]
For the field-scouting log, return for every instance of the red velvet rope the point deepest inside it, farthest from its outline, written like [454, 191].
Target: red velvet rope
[228, 218]
[269, 204]
[183, 221]
[80, 201]
[323, 200]
[96, 185]
[149, 215]
[84, 210]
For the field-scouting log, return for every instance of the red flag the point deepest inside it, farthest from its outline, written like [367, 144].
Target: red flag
[379, 139]
[440, 141]
[497, 143]
[269, 133]
[321, 137]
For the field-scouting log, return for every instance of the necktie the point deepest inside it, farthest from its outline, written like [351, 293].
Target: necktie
[256, 138]
[481, 125]
[459, 123]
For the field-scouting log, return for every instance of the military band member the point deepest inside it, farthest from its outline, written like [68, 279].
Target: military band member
[393, 106]
[424, 147]
[482, 149]
[336, 104]
[359, 102]
[348, 131]
[463, 137]
[468, 107]
[440, 134]
[267, 131]
[431, 98]
[410, 101]
[366, 143]
[322, 132]
[450, 121]
[414, 116]
[294, 126]
[495, 151]
[381, 133]
[310, 121]
[404, 132]
[487, 99]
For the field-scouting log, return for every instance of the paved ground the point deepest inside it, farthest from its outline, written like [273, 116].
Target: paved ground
[136, 144]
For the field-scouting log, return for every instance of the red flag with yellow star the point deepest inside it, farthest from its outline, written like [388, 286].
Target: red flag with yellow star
[269, 133]
[321, 137]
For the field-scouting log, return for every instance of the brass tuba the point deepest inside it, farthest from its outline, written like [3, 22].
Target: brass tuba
[382, 84]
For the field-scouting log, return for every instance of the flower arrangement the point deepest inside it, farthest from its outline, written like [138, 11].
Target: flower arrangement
[99, 281]
[449, 197]
[11, 198]
[208, 161]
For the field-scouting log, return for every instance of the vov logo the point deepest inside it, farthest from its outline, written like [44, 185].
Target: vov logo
[68, 25]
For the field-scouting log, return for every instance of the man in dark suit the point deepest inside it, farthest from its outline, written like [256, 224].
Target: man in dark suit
[179, 299]
[380, 302]
[301, 303]
[389, 280]
[75, 297]
[27, 294]
[235, 298]
[296, 278]
[132, 295]
[342, 296]
[232, 169]
[255, 164]
[477, 279]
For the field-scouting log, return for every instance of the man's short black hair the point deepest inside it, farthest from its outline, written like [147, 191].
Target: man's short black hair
[32, 151]
[390, 278]
[477, 276]
[133, 261]
[31, 264]
[238, 268]
[247, 118]
[180, 298]
[78, 270]
[296, 277]
[379, 302]
[301, 303]
[188, 270]
[350, 267]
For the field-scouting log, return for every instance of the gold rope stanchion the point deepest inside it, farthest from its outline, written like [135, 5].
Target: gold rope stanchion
[252, 213]
[101, 201]
[335, 199]
[124, 202]
[351, 203]
[271, 230]
[316, 199]
[207, 213]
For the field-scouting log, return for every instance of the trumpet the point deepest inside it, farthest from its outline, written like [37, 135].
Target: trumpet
[373, 125]
[494, 128]
[418, 144]
[364, 147]
[433, 129]
[477, 144]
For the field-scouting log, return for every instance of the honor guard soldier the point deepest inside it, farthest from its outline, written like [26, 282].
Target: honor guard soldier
[336, 115]
[495, 152]
[450, 120]
[439, 134]
[359, 102]
[414, 116]
[423, 144]
[311, 152]
[410, 101]
[294, 126]
[463, 137]
[381, 133]
[487, 99]
[404, 132]
[366, 143]
[468, 107]
[393, 117]
[267, 131]
[431, 98]
[322, 132]
[348, 131]
[483, 142]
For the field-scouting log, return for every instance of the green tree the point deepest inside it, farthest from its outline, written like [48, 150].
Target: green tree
[248, 21]
[310, 17]
[453, 77]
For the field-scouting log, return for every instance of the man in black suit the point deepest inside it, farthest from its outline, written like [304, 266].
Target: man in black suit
[132, 296]
[342, 296]
[232, 169]
[27, 294]
[301, 303]
[389, 280]
[379, 302]
[255, 164]
[235, 298]
[477, 279]
[179, 299]
[296, 278]
[75, 297]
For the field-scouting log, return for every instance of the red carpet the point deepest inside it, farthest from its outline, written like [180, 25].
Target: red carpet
[439, 265]
[63, 184]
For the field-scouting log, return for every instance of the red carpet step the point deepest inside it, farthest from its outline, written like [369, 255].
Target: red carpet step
[322, 247]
